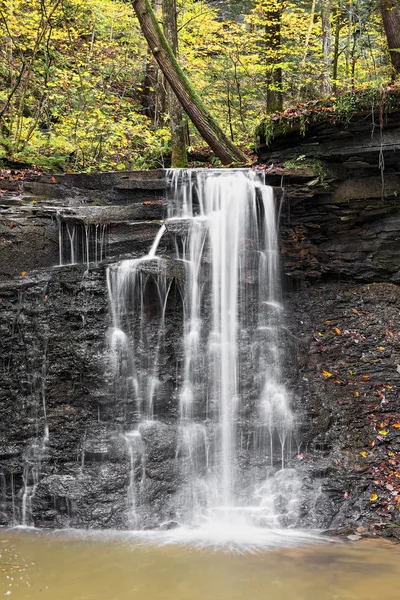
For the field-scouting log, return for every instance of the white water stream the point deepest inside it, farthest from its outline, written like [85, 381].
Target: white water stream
[235, 425]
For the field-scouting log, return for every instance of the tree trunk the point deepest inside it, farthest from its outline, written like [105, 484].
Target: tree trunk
[154, 92]
[273, 51]
[326, 86]
[208, 128]
[391, 22]
[338, 27]
[349, 36]
[178, 124]
[306, 45]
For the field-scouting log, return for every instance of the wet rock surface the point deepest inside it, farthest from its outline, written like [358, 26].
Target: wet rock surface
[341, 262]
[347, 355]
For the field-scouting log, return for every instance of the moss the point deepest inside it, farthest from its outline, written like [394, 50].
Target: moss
[97, 202]
[374, 100]
[316, 167]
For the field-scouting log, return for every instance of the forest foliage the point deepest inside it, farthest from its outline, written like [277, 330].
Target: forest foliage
[80, 90]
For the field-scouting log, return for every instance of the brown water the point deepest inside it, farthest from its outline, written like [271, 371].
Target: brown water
[53, 567]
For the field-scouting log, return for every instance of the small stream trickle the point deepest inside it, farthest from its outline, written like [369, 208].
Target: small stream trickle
[81, 242]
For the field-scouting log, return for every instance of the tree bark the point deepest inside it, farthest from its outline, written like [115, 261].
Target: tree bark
[391, 22]
[338, 28]
[326, 86]
[179, 157]
[307, 43]
[273, 51]
[208, 128]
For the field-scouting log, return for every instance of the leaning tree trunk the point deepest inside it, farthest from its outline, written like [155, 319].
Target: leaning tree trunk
[391, 22]
[179, 157]
[208, 128]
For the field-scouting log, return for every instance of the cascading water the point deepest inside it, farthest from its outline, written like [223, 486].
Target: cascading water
[81, 243]
[235, 422]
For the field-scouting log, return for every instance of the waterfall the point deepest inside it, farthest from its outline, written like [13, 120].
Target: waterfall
[235, 425]
[81, 243]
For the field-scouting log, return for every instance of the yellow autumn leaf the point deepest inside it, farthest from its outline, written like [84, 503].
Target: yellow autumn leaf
[320, 334]
[373, 497]
[338, 332]
[380, 348]
[396, 425]
[364, 454]
[327, 374]
[383, 432]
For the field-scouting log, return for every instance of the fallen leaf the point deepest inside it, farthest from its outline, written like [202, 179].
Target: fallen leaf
[357, 394]
[46, 297]
[373, 497]
[12, 224]
[23, 273]
[364, 454]
[365, 376]
[383, 432]
[396, 425]
[338, 332]
[53, 180]
[67, 408]
[327, 374]
[380, 348]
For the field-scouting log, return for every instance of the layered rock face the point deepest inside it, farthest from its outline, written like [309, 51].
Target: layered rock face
[341, 248]
[64, 458]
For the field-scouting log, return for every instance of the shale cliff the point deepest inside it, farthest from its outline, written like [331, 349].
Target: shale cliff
[341, 251]
[64, 459]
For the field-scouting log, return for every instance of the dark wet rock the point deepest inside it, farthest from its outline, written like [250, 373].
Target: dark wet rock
[347, 348]
[169, 526]
[341, 260]
[99, 188]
